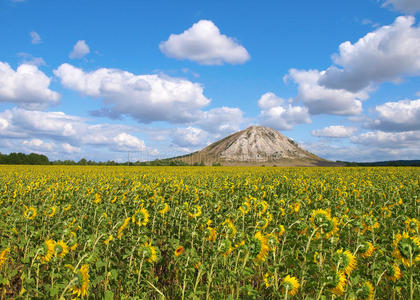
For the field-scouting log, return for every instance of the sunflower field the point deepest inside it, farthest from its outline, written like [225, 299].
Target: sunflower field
[90, 232]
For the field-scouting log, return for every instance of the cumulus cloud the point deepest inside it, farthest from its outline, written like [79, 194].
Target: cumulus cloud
[407, 6]
[335, 132]
[70, 131]
[35, 37]
[146, 98]
[386, 54]
[28, 87]
[189, 137]
[402, 115]
[204, 44]
[221, 120]
[80, 49]
[38, 145]
[322, 100]
[276, 113]
[67, 148]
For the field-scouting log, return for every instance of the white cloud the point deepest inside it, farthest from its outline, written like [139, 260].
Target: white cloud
[67, 148]
[35, 37]
[386, 54]
[407, 6]
[204, 44]
[80, 49]
[38, 145]
[279, 115]
[335, 132]
[389, 140]
[221, 120]
[418, 93]
[61, 128]
[322, 100]
[403, 115]
[146, 98]
[28, 87]
[189, 137]
[28, 59]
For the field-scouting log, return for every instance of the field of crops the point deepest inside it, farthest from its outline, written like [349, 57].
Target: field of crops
[209, 233]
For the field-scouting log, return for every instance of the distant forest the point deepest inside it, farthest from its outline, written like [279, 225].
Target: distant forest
[39, 159]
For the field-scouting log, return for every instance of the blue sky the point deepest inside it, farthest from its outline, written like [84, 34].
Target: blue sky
[107, 80]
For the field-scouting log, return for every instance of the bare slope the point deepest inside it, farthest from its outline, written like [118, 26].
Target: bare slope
[256, 145]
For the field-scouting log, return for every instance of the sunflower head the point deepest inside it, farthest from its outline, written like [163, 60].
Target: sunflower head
[141, 217]
[344, 261]
[412, 225]
[336, 282]
[81, 286]
[30, 213]
[195, 212]
[290, 285]
[149, 252]
[49, 249]
[365, 292]
[225, 247]
[366, 249]
[268, 279]
[393, 273]
[179, 250]
[406, 249]
[61, 249]
[211, 234]
[244, 208]
[258, 247]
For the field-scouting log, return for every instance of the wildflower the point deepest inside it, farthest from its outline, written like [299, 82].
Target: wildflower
[30, 213]
[290, 285]
[123, 226]
[406, 249]
[344, 261]
[393, 273]
[82, 285]
[179, 250]
[366, 249]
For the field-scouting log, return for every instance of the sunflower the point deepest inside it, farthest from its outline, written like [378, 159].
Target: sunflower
[140, 217]
[72, 242]
[366, 249]
[179, 250]
[211, 234]
[51, 211]
[370, 223]
[406, 249]
[82, 285]
[67, 207]
[30, 213]
[290, 285]
[345, 261]
[165, 209]
[261, 207]
[230, 228]
[336, 282]
[3, 256]
[61, 249]
[259, 247]
[49, 250]
[365, 292]
[281, 230]
[393, 273]
[149, 252]
[123, 226]
[321, 219]
[412, 225]
[244, 208]
[196, 212]
[268, 279]
[263, 223]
